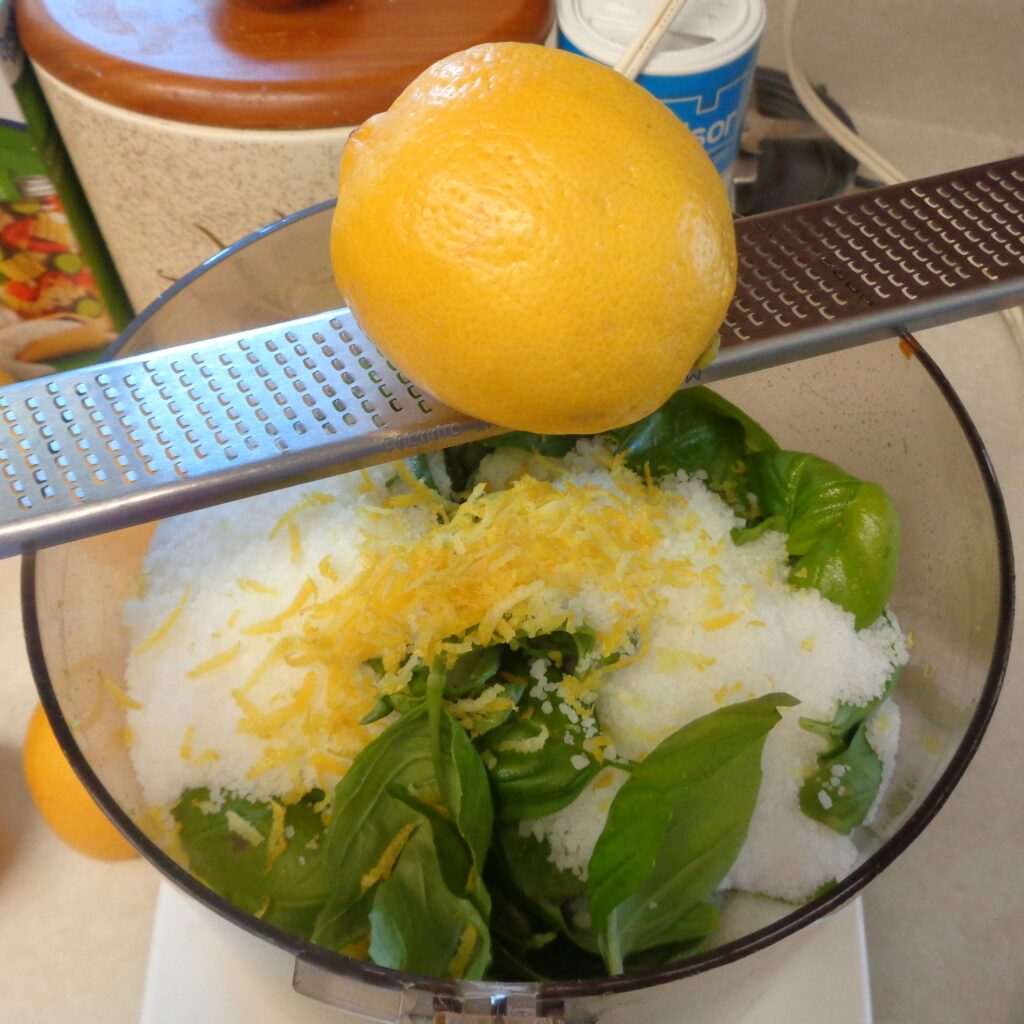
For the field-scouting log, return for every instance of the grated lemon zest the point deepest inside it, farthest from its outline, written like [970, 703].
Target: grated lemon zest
[214, 662]
[295, 540]
[302, 597]
[720, 621]
[460, 961]
[528, 744]
[185, 752]
[168, 624]
[277, 842]
[254, 586]
[243, 829]
[387, 860]
[119, 695]
[309, 500]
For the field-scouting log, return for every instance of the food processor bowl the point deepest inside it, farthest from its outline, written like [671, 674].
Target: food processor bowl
[883, 411]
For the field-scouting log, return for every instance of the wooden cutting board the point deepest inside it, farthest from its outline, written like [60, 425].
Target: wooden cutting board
[261, 63]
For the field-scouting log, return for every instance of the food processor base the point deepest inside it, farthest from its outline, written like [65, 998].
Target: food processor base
[204, 970]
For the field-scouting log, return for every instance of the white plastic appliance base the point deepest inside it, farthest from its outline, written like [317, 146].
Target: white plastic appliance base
[206, 971]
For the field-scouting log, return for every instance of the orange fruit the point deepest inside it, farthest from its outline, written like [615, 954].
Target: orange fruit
[62, 799]
[534, 239]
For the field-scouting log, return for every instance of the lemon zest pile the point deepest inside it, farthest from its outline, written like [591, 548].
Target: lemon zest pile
[503, 564]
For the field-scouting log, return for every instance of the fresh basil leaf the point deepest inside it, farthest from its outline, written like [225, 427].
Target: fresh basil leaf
[421, 470]
[564, 649]
[384, 848]
[690, 935]
[472, 672]
[698, 430]
[285, 887]
[417, 923]
[527, 945]
[843, 789]
[299, 881]
[845, 786]
[233, 866]
[839, 732]
[551, 958]
[532, 871]
[675, 828]
[530, 761]
[461, 462]
[843, 533]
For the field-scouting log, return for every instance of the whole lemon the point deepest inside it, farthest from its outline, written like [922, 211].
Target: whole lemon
[62, 799]
[534, 239]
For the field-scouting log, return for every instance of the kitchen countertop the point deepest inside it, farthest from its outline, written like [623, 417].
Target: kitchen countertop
[945, 923]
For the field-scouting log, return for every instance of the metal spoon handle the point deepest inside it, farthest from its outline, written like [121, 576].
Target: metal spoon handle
[137, 439]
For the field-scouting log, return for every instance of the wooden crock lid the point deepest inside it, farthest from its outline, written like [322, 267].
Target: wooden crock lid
[259, 63]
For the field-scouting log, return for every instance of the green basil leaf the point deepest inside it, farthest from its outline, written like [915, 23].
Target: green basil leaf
[418, 924]
[299, 881]
[472, 672]
[676, 827]
[531, 943]
[286, 890]
[845, 786]
[564, 649]
[532, 871]
[530, 783]
[383, 848]
[462, 461]
[698, 430]
[421, 470]
[839, 732]
[690, 934]
[843, 789]
[843, 533]
[543, 957]
[231, 865]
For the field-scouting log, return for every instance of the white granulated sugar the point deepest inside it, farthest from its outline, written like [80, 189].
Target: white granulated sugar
[572, 832]
[230, 573]
[787, 855]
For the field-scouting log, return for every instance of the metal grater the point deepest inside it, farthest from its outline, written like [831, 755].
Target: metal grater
[137, 439]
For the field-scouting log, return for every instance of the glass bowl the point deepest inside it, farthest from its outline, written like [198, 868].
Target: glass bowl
[883, 411]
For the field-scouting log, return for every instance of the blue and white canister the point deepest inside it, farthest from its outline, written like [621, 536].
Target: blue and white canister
[702, 69]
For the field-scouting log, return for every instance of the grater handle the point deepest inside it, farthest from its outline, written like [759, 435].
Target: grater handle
[148, 436]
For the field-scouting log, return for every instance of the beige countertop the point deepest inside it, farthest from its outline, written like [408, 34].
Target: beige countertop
[934, 90]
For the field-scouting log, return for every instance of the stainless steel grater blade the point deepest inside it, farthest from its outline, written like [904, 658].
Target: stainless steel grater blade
[138, 439]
